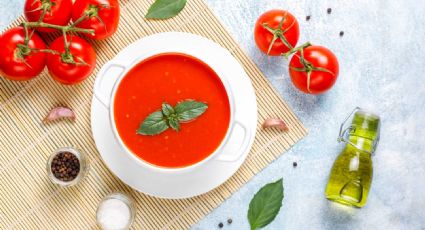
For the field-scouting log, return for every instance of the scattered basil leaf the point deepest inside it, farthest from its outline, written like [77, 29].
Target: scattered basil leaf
[155, 123]
[265, 205]
[189, 110]
[174, 123]
[163, 9]
[167, 109]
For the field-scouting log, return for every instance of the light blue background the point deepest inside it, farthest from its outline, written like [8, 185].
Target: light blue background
[382, 66]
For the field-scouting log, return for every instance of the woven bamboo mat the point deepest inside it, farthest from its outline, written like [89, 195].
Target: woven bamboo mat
[29, 201]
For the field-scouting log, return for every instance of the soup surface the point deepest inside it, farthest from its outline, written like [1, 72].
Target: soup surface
[172, 77]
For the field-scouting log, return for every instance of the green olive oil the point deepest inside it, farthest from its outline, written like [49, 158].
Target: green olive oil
[351, 175]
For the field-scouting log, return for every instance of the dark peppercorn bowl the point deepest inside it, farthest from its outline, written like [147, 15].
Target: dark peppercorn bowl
[83, 166]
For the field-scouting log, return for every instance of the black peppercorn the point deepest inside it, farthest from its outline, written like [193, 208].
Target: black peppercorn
[329, 10]
[229, 221]
[341, 33]
[294, 164]
[65, 166]
[308, 17]
[220, 225]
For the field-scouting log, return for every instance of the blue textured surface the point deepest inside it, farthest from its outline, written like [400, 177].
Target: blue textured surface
[381, 67]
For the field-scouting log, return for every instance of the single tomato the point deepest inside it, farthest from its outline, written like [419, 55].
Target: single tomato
[73, 67]
[18, 62]
[276, 32]
[57, 12]
[313, 69]
[100, 15]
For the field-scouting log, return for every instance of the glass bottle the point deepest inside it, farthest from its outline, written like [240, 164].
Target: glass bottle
[351, 175]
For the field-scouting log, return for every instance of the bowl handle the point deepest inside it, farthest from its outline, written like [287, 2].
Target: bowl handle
[104, 83]
[241, 149]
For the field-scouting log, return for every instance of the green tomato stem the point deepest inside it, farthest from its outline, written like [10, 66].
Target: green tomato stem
[82, 18]
[69, 28]
[27, 37]
[67, 56]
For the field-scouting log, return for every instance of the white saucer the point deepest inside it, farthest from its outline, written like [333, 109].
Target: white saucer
[209, 175]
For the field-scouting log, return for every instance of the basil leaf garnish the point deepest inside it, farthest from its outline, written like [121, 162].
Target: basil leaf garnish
[174, 123]
[155, 123]
[167, 109]
[265, 205]
[169, 117]
[163, 9]
[189, 110]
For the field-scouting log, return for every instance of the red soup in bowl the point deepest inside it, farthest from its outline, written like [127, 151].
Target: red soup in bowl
[172, 78]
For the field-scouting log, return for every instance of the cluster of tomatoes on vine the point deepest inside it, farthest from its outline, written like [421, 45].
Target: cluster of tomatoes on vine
[69, 58]
[313, 69]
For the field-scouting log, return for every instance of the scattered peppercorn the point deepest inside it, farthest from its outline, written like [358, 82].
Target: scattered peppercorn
[294, 164]
[220, 225]
[341, 33]
[308, 17]
[329, 10]
[65, 166]
[229, 221]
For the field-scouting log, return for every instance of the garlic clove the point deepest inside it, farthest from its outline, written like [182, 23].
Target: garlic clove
[275, 123]
[60, 112]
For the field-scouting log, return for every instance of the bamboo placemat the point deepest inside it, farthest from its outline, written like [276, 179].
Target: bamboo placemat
[29, 201]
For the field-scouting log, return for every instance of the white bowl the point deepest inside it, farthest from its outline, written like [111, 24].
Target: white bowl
[108, 100]
[202, 176]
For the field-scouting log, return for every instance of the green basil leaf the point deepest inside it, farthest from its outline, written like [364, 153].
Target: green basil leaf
[163, 9]
[169, 117]
[167, 109]
[155, 123]
[265, 205]
[189, 110]
[174, 123]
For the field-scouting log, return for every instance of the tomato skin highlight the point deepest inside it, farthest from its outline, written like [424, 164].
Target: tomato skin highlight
[14, 68]
[263, 37]
[320, 81]
[107, 10]
[59, 14]
[67, 73]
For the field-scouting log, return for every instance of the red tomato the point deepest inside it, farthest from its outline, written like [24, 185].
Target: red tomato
[100, 15]
[16, 62]
[276, 32]
[75, 67]
[320, 63]
[58, 12]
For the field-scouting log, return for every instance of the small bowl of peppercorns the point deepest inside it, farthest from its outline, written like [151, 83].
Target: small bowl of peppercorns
[67, 166]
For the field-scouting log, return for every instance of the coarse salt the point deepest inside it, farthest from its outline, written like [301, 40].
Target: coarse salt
[113, 214]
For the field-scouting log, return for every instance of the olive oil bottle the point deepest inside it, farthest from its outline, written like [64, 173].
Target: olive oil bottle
[351, 174]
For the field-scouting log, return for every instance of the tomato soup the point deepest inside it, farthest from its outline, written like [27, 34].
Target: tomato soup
[171, 78]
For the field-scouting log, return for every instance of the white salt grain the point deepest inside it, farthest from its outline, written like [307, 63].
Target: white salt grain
[113, 214]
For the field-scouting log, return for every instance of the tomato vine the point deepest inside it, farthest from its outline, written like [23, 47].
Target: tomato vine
[66, 57]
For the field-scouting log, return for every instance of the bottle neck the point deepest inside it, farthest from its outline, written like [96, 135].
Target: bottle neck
[364, 131]
[361, 143]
